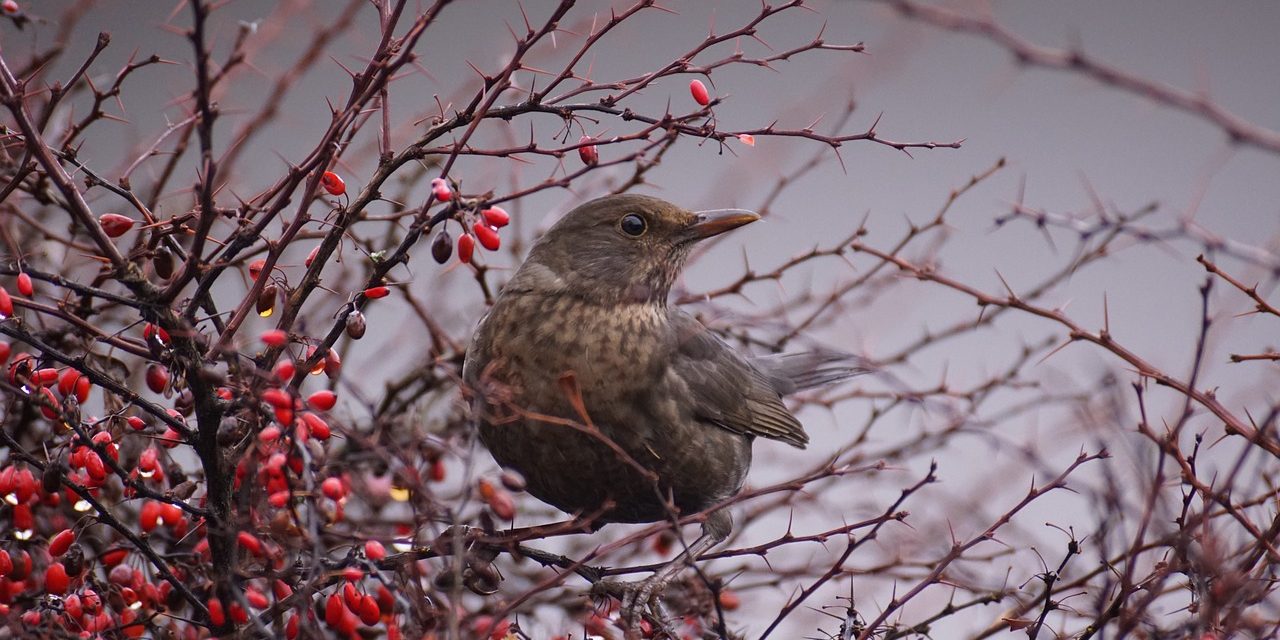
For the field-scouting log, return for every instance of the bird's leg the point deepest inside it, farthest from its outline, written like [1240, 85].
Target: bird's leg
[644, 599]
[648, 593]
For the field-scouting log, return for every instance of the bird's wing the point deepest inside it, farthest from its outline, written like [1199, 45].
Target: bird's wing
[792, 372]
[725, 388]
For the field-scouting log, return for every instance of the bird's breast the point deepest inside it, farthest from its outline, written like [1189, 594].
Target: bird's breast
[606, 350]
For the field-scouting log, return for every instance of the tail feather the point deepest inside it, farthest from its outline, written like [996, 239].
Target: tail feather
[791, 372]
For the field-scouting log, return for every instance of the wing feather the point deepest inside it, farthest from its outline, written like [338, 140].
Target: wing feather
[726, 388]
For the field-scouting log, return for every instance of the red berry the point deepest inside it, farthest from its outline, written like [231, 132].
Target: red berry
[502, 505]
[497, 217]
[83, 386]
[729, 601]
[136, 423]
[255, 267]
[322, 400]
[441, 190]
[588, 152]
[25, 287]
[249, 542]
[149, 516]
[61, 541]
[56, 580]
[466, 247]
[311, 257]
[157, 377]
[334, 610]
[113, 557]
[50, 407]
[333, 183]
[217, 617]
[699, 92]
[170, 438]
[485, 488]
[44, 377]
[317, 426]
[369, 611]
[284, 371]
[170, 514]
[278, 398]
[10, 7]
[373, 293]
[374, 550]
[152, 332]
[115, 225]
[6, 304]
[269, 434]
[257, 599]
[274, 338]
[67, 381]
[487, 235]
[333, 489]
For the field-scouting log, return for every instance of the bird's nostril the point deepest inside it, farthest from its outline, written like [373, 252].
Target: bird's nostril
[712, 223]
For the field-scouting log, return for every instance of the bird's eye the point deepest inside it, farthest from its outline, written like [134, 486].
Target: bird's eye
[633, 225]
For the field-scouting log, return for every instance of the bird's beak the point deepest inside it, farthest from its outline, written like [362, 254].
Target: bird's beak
[718, 221]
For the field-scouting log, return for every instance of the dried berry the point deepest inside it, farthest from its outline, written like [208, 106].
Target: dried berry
[267, 300]
[442, 247]
[356, 325]
[162, 262]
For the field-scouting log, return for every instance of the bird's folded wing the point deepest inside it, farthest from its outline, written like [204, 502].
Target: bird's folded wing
[726, 389]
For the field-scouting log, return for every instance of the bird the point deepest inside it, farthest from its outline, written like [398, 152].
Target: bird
[613, 403]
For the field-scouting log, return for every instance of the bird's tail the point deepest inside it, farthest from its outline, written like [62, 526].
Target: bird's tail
[792, 372]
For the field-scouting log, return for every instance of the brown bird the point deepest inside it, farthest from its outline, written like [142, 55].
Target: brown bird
[612, 403]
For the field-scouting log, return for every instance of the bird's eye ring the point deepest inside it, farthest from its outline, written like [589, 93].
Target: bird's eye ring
[633, 224]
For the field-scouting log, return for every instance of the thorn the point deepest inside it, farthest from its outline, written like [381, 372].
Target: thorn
[1013, 297]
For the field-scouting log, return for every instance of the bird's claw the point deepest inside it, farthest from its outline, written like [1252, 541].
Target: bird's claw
[641, 603]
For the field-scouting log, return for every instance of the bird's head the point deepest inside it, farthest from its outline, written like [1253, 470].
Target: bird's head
[622, 248]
